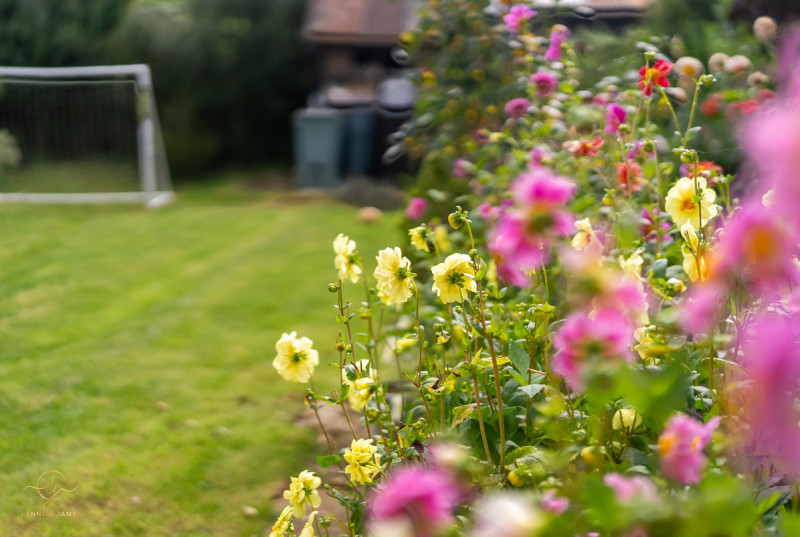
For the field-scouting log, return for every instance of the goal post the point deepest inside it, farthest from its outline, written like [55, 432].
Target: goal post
[88, 115]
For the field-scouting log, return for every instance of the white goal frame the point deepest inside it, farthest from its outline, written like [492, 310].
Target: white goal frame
[150, 194]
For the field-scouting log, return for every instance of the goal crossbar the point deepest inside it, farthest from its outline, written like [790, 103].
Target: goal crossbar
[150, 194]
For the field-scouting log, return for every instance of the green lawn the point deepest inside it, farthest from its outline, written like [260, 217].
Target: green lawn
[136, 356]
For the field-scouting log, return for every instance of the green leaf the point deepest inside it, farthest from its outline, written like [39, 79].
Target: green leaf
[519, 357]
[532, 389]
[326, 461]
[461, 413]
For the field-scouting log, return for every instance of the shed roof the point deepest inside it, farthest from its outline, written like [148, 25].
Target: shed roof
[357, 22]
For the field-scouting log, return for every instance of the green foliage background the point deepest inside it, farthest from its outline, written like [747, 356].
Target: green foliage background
[227, 73]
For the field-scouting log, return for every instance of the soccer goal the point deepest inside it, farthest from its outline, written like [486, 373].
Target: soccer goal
[81, 135]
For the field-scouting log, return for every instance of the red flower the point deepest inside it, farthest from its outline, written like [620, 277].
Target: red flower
[584, 148]
[633, 171]
[711, 107]
[657, 74]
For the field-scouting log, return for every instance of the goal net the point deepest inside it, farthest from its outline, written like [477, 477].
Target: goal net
[81, 135]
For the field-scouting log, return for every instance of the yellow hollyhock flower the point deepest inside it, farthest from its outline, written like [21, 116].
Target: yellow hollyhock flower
[347, 258]
[361, 389]
[308, 529]
[363, 461]
[681, 206]
[454, 276]
[694, 267]
[296, 359]
[419, 238]
[284, 524]
[695, 262]
[440, 236]
[394, 276]
[584, 235]
[302, 490]
[632, 266]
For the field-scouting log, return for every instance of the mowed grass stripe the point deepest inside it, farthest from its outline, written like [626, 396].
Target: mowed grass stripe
[110, 310]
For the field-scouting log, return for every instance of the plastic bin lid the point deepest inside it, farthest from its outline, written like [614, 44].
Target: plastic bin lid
[396, 94]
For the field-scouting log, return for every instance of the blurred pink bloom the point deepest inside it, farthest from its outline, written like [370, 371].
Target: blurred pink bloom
[681, 448]
[647, 226]
[460, 167]
[584, 341]
[490, 212]
[627, 488]
[517, 108]
[517, 14]
[615, 116]
[538, 155]
[553, 504]
[545, 83]
[416, 208]
[758, 248]
[522, 236]
[427, 498]
[557, 37]
[699, 311]
[767, 393]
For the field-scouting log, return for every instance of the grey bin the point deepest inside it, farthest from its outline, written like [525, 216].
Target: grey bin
[360, 130]
[318, 146]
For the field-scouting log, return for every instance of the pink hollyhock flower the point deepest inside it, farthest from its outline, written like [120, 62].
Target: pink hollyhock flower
[699, 311]
[539, 154]
[460, 168]
[637, 151]
[552, 503]
[647, 227]
[416, 208]
[518, 13]
[615, 116]
[767, 393]
[425, 498]
[516, 108]
[557, 37]
[584, 148]
[756, 246]
[681, 448]
[772, 142]
[522, 236]
[545, 83]
[585, 341]
[654, 76]
[627, 488]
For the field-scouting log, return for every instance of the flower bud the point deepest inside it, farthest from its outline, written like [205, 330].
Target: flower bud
[649, 56]
[626, 418]
[334, 287]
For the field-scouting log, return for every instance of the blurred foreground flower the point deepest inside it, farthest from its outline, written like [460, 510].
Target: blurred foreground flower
[419, 499]
[681, 448]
